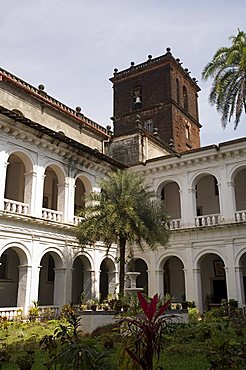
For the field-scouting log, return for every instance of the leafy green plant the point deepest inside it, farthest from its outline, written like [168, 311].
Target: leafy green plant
[34, 310]
[144, 333]
[225, 349]
[25, 362]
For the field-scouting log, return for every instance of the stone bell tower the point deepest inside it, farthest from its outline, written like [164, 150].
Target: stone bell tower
[159, 99]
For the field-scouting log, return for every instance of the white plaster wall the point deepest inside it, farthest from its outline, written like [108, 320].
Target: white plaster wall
[48, 117]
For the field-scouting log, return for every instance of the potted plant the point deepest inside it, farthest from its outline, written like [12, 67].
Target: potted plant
[184, 303]
[92, 304]
[105, 306]
[33, 311]
[111, 299]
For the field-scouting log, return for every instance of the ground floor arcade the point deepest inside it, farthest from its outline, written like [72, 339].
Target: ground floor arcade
[203, 265]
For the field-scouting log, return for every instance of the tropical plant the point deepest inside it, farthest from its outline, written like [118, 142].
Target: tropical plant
[144, 332]
[33, 311]
[25, 362]
[126, 212]
[228, 69]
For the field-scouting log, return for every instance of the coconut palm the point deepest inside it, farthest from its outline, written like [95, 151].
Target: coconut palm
[228, 69]
[126, 212]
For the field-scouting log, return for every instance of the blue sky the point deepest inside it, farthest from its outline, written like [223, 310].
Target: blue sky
[73, 46]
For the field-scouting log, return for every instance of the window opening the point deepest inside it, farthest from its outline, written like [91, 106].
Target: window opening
[185, 99]
[148, 125]
[177, 91]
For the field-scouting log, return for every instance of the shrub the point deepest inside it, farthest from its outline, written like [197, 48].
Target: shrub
[144, 333]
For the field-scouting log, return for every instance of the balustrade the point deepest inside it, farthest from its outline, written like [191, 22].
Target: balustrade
[208, 220]
[240, 216]
[15, 207]
[175, 224]
[51, 215]
[77, 220]
[11, 313]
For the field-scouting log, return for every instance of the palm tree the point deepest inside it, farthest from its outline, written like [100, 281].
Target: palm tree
[228, 69]
[125, 212]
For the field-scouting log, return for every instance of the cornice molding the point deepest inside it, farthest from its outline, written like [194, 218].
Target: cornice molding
[23, 132]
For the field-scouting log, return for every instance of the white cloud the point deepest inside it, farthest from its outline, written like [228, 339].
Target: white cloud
[72, 46]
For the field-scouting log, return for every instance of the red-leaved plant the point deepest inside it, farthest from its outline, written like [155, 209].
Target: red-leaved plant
[144, 333]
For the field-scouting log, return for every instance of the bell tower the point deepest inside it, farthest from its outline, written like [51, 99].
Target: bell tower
[163, 97]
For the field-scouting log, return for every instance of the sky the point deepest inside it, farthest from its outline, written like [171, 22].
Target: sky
[73, 46]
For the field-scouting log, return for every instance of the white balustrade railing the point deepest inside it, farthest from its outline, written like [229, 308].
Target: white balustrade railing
[175, 224]
[11, 313]
[207, 220]
[51, 215]
[240, 216]
[15, 207]
[77, 220]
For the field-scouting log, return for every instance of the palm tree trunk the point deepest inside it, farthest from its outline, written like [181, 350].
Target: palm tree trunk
[122, 245]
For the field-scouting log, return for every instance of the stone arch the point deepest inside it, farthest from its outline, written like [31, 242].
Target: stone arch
[18, 182]
[82, 277]
[238, 178]
[51, 278]
[138, 264]
[107, 283]
[242, 278]
[54, 188]
[83, 186]
[240, 271]
[211, 271]
[173, 278]
[13, 275]
[206, 198]
[169, 191]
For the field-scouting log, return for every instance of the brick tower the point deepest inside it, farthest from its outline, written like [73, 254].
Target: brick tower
[161, 97]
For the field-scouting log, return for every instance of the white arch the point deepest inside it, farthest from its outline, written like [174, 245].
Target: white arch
[204, 252]
[24, 156]
[59, 170]
[137, 256]
[234, 170]
[109, 257]
[166, 181]
[55, 252]
[197, 176]
[86, 255]
[164, 257]
[21, 250]
[87, 181]
[239, 255]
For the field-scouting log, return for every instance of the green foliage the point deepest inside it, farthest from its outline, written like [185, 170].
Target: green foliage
[143, 334]
[34, 310]
[228, 70]
[225, 349]
[126, 212]
[25, 362]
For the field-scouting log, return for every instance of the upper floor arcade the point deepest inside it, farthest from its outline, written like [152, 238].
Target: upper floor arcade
[203, 188]
[46, 175]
